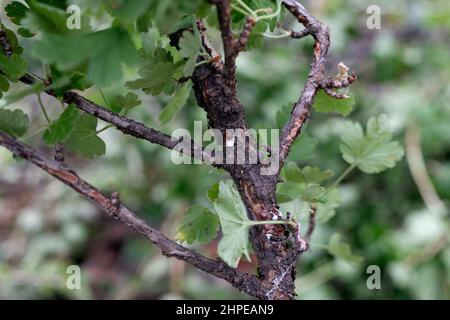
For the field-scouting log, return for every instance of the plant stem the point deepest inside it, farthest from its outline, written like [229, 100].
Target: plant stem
[239, 9]
[273, 15]
[246, 7]
[277, 36]
[104, 98]
[201, 62]
[43, 108]
[34, 134]
[343, 175]
[256, 223]
[105, 128]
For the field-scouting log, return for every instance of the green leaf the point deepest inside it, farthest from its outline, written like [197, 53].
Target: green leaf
[342, 250]
[45, 18]
[325, 211]
[325, 104]
[315, 175]
[4, 84]
[198, 224]
[235, 224]
[314, 193]
[307, 175]
[190, 44]
[105, 51]
[176, 103]
[129, 101]
[213, 192]
[256, 38]
[282, 115]
[374, 151]
[14, 66]
[66, 52]
[16, 11]
[303, 148]
[61, 129]
[157, 71]
[292, 172]
[232, 246]
[290, 189]
[84, 140]
[114, 48]
[68, 80]
[13, 41]
[129, 10]
[14, 122]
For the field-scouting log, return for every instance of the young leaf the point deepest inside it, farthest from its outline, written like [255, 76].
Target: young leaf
[342, 250]
[198, 224]
[313, 193]
[84, 140]
[326, 211]
[65, 52]
[213, 192]
[14, 66]
[176, 103]
[190, 45]
[16, 11]
[45, 18]
[235, 224]
[105, 51]
[313, 175]
[129, 10]
[4, 84]
[307, 175]
[62, 128]
[374, 151]
[157, 71]
[14, 122]
[114, 48]
[233, 245]
[129, 101]
[325, 104]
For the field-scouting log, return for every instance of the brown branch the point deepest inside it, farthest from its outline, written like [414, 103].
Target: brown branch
[127, 126]
[311, 226]
[316, 76]
[334, 94]
[231, 47]
[300, 34]
[224, 16]
[339, 83]
[242, 41]
[112, 206]
[301, 109]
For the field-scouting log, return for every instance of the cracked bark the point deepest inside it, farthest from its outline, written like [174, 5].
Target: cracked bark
[277, 247]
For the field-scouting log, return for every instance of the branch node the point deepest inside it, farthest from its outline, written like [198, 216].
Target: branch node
[115, 201]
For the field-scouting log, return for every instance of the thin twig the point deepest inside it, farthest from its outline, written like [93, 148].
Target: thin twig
[114, 208]
[127, 126]
[311, 225]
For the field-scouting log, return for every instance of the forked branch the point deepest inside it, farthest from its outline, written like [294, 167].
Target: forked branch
[113, 207]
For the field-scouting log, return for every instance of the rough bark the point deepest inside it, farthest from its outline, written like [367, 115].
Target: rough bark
[277, 247]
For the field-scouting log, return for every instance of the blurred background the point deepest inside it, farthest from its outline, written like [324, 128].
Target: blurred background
[397, 220]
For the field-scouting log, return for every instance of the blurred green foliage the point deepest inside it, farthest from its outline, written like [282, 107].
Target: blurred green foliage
[388, 219]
